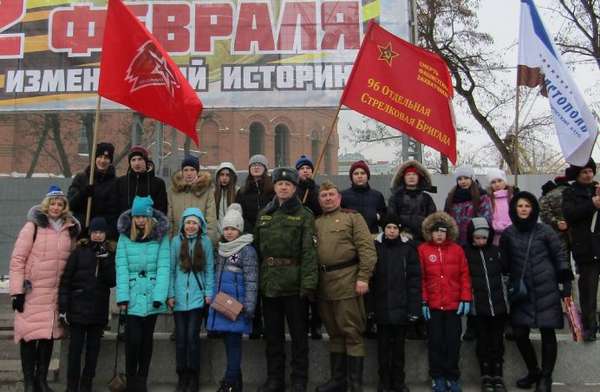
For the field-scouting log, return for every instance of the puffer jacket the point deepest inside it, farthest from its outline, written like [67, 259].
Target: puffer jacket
[579, 210]
[143, 267]
[412, 206]
[396, 280]
[253, 197]
[85, 284]
[368, 202]
[133, 184]
[500, 218]
[445, 279]
[188, 290]
[41, 262]
[548, 265]
[485, 267]
[104, 199]
[237, 276]
[464, 211]
[199, 195]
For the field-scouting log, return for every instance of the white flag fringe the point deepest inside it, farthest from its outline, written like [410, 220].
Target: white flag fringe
[540, 64]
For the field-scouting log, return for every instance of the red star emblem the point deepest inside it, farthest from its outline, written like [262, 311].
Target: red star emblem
[386, 53]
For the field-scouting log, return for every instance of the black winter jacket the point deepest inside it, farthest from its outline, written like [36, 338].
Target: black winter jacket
[312, 199]
[548, 265]
[368, 202]
[253, 197]
[579, 211]
[84, 290]
[485, 268]
[133, 184]
[396, 281]
[412, 207]
[104, 199]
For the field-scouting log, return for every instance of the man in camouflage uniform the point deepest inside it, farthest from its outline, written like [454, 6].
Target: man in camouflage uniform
[347, 258]
[284, 238]
[551, 212]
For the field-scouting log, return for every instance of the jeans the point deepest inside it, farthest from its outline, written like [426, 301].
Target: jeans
[187, 339]
[90, 335]
[138, 344]
[233, 350]
[444, 330]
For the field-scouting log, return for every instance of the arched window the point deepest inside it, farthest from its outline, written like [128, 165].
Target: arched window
[282, 135]
[257, 138]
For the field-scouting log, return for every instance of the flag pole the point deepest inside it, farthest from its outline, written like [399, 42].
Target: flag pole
[324, 148]
[88, 211]
[516, 139]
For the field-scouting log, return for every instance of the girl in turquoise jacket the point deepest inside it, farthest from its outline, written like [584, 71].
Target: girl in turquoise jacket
[143, 263]
[190, 289]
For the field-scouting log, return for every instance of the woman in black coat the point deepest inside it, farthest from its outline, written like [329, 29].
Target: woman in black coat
[83, 300]
[545, 266]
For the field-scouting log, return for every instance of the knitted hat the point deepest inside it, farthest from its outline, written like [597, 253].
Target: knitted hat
[142, 206]
[464, 171]
[572, 172]
[98, 223]
[55, 191]
[192, 161]
[233, 217]
[391, 219]
[360, 165]
[304, 161]
[481, 227]
[496, 174]
[285, 174]
[259, 158]
[139, 151]
[105, 149]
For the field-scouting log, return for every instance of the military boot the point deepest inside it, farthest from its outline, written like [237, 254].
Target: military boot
[355, 374]
[337, 382]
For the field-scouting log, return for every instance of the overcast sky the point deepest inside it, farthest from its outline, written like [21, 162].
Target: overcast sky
[499, 18]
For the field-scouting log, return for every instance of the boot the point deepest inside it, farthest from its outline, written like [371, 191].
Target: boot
[225, 386]
[438, 384]
[72, 385]
[86, 384]
[272, 385]
[142, 383]
[486, 378]
[182, 381]
[544, 384]
[193, 381]
[44, 355]
[337, 382]
[28, 360]
[355, 374]
[532, 377]
[497, 379]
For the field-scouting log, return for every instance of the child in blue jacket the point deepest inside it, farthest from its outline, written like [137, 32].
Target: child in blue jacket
[237, 276]
[190, 289]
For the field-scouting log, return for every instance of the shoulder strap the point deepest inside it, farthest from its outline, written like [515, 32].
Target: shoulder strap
[34, 232]
[527, 254]
[197, 280]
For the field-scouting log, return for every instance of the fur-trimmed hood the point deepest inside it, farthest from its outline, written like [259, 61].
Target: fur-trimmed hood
[424, 175]
[202, 185]
[161, 228]
[431, 220]
[38, 218]
[86, 242]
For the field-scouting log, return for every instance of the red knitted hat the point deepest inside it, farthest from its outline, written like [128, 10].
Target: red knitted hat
[360, 165]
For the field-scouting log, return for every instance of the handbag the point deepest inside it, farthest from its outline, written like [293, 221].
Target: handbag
[574, 318]
[118, 382]
[224, 303]
[517, 290]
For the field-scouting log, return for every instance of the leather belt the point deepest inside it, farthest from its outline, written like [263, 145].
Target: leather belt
[338, 266]
[279, 262]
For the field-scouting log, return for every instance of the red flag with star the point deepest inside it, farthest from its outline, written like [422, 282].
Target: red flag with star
[405, 87]
[137, 72]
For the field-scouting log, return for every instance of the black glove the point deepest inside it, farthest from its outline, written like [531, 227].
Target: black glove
[18, 302]
[156, 304]
[88, 191]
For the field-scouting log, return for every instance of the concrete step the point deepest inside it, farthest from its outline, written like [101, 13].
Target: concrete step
[576, 364]
[10, 370]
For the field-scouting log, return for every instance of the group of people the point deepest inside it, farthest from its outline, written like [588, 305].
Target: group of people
[280, 245]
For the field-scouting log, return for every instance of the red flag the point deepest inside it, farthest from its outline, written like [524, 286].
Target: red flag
[137, 72]
[405, 87]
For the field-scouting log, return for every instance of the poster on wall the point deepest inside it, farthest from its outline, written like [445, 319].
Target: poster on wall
[251, 53]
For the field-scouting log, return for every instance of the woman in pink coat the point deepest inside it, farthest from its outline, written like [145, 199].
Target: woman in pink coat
[500, 194]
[36, 265]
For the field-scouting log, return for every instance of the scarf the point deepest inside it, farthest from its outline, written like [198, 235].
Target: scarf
[56, 224]
[227, 249]
[222, 207]
[461, 195]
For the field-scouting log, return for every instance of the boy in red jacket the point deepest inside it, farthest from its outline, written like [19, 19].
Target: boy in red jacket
[446, 292]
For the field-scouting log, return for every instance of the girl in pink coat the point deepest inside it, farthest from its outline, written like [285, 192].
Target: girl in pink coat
[500, 194]
[36, 266]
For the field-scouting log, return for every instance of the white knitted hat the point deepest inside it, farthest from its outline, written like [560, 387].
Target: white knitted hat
[496, 174]
[464, 171]
[233, 217]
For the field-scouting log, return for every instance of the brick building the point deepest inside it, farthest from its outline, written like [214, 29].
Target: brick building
[225, 135]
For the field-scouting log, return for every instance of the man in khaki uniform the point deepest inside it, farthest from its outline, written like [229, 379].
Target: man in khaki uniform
[347, 258]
